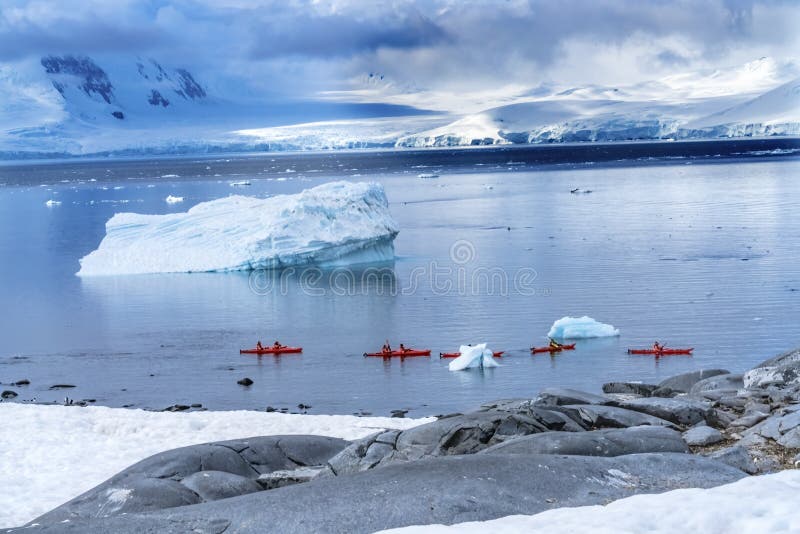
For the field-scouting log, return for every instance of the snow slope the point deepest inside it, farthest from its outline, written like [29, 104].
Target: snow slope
[334, 224]
[54, 453]
[752, 505]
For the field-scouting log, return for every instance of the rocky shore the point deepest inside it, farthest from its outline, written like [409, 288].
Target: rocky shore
[559, 448]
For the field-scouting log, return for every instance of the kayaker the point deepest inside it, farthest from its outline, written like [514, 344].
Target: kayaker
[554, 344]
[403, 348]
[657, 347]
[277, 345]
[259, 346]
[386, 349]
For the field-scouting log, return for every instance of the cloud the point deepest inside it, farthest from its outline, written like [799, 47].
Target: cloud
[300, 47]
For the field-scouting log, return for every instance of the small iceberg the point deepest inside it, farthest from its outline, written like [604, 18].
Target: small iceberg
[427, 175]
[173, 200]
[580, 328]
[240, 183]
[50, 203]
[473, 356]
[332, 225]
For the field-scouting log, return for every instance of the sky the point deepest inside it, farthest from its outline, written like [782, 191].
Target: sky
[330, 48]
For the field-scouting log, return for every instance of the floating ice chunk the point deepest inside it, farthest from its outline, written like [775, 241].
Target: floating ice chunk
[173, 200]
[170, 175]
[580, 327]
[427, 175]
[240, 183]
[50, 203]
[335, 224]
[473, 356]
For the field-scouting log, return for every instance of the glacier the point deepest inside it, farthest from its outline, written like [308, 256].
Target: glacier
[331, 225]
[473, 356]
[580, 328]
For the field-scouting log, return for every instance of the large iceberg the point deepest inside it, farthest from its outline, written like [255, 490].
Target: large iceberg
[580, 328]
[332, 225]
[473, 356]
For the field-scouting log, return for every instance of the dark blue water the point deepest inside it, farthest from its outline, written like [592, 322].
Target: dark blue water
[699, 252]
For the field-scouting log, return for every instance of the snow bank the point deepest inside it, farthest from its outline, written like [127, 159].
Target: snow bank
[751, 505]
[473, 356]
[51, 454]
[580, 328]
[335, 224]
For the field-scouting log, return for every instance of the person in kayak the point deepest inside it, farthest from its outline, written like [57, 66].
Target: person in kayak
[259, 346]
[403, 348]
[277, 345]
[386, 349]
[658, 347]
[555, 344]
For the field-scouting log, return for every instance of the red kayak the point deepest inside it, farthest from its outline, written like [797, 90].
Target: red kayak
[398, 353]
[457, 354]
[661, 352]
[537, 350]
[272, 350]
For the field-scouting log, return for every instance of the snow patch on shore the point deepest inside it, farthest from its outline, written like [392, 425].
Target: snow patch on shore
[580, 328]
[332, 225]
[750, 505]
[51, 454]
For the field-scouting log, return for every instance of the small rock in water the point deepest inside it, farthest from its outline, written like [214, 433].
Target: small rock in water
[245, 382]
[176, 408]
[23, 382]
[196, 405]
[270, 409]
[399, 413]
[8, 394]
[304, 406]
[62, 386]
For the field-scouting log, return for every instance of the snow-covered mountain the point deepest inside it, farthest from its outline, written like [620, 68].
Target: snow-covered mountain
[77, 105]
[715, 104]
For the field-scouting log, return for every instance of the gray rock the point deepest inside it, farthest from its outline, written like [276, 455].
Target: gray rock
[633, 388]
[437, 490]
[736, 456]
[702, 436]
[681, 411]
[717, 387]
[747, 421]
[279, 479]
[781, 371]
[609, 442]
[8, 394]
[753, 407]
[683, 383]
[562, 396]
[597, 416]
[790, 439]
[733, 402]
[155, 482]
[214, 485]
[460, 434]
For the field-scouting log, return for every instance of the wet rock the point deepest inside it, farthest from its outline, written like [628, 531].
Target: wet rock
[214, 485]
[62, 386]
[680, 411]
[279, 479]
[270, 409]
[176, 408]
[196, 405]
[609, 442]
[597, 416]
[399, 413]
[562, 396]
[304, 406]
[8, 394]
[736, 456]
[245, 382]
[23, 382]
[781, 371]
[683, 383]
[633, 388]
[442, 490]
[701, 436]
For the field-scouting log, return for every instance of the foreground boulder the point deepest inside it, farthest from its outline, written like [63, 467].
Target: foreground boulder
[679, 411]
[610, 442]
[437, 490]
[196, 474]
[683, 383]
[597, 416]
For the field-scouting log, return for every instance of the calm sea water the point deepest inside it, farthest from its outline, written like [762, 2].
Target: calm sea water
[697, 251]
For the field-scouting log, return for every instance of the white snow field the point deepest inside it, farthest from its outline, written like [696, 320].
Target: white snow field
[473, 356]
[580, 328]
[334, 224]
[51, 454]
[753, 505]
